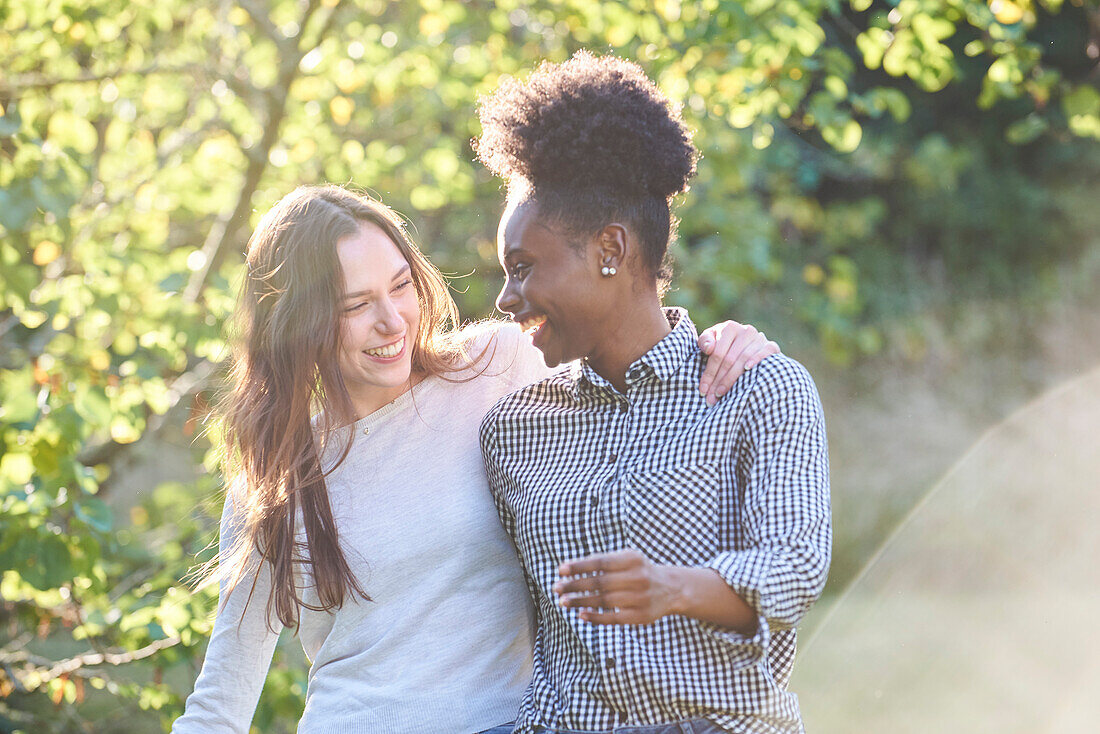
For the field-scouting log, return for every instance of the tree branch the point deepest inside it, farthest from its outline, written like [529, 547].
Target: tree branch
[329, 21]
[48, 669]
[17, 643]
[261, 16]
[224, 231]
[25, 82]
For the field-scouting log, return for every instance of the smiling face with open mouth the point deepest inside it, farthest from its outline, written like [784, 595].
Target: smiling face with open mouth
[552, 287]
[381, 315]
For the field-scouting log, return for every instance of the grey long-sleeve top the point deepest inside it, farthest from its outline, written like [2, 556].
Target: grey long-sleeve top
[445, 645]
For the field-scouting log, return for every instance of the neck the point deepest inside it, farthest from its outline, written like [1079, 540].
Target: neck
[371, 399]
[641, 327]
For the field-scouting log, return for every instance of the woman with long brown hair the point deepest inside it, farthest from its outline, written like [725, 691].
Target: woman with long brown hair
[357, 511]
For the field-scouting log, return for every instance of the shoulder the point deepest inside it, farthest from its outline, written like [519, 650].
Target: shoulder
[780, 372]
[476, 344]
[480, 334]
[499, 348]
[549, 393]
[781, 386]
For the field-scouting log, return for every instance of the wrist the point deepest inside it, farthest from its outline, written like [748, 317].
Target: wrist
[680, 589]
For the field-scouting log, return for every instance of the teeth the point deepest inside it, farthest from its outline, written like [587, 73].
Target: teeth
[391, 351]
[531, 324]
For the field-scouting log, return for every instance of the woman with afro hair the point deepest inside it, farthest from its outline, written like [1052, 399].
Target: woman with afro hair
[671, 543]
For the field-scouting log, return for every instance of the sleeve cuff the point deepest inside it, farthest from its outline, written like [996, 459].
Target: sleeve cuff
[746, 572]
[743, 650]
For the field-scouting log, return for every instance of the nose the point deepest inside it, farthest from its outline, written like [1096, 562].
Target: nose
[508, 299]
[389, 319]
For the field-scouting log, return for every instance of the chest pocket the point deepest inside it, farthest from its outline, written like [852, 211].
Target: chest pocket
[671, 513]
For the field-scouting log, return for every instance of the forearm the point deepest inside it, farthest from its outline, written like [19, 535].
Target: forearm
[238, 654]
[233, 672]
[701, 593]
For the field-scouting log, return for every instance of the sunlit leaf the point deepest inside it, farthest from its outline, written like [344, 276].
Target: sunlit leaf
[70, 130]
[844, 137]
[1026, 130]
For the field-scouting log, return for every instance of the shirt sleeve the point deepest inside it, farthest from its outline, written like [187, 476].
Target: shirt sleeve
[239, 652]
[498, 487]
[778, 558]
[494, 473]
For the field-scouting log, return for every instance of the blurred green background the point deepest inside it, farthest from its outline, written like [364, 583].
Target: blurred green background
[903, 194]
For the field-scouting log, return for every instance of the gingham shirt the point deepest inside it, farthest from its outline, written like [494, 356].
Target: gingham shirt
[741, 487]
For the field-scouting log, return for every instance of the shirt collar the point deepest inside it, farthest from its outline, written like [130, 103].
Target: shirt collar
[662, 361]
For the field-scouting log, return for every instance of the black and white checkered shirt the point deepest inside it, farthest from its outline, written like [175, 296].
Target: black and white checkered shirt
[741, 487]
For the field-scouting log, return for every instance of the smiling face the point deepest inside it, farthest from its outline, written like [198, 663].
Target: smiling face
[379, 320]
[553, 287]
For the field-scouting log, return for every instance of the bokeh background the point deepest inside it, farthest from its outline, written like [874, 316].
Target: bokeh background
[904, 193]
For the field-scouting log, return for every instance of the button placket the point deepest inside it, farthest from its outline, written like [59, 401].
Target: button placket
[628, 696]
[599, 489]
[614, 502]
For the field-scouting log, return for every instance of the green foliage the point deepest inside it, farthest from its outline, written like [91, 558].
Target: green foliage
[855, 155]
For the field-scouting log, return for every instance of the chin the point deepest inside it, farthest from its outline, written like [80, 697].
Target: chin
[395, 376]
[398, 377]
[552, 358]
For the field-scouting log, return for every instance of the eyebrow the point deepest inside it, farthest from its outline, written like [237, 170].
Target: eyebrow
[511, 247]
[359, 294]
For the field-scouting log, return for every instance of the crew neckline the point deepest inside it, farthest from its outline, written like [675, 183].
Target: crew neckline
[398, 403]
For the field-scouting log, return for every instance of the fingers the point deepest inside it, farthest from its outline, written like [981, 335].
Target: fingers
[611, 607]
[605, 601]
[768, 349]
[617, 616]
[730, 362]
[748, 349]
[735, 364]
[621, 607]
[604, 581]
[601, 583]
[601, 563]
[727, 375]
[622, 587]
[715, 340]
[708, 339]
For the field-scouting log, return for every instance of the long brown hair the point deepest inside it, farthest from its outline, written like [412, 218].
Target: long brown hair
[287, 398]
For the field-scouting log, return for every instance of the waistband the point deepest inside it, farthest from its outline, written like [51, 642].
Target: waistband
[694, 726]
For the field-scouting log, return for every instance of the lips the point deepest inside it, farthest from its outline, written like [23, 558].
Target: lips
[387, 352]
[534, 327]
[531, 324]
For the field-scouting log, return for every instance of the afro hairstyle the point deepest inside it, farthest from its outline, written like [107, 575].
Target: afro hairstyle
[591, 140]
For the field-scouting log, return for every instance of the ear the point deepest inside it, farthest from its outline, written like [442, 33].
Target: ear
[612, 246]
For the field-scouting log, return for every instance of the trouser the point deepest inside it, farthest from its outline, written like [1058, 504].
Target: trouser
[695, 726]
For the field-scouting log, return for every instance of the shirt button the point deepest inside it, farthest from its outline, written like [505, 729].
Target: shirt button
[612, 457]
[624, 406]
[366, 431]
[610, 662]
[594, 500]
